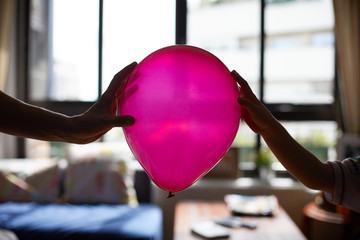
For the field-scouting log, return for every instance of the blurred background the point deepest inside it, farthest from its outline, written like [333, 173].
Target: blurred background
[299, 57]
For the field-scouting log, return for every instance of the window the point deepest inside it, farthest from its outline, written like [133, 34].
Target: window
[67, 70]
[132, 30]
[299, 71]
[73, 58]
[299, 52]
[288, 59]
[80, 50]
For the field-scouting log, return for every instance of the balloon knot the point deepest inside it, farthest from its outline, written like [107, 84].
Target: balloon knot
[170, 195]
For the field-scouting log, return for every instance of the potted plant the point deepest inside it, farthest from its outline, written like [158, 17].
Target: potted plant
[263, 162]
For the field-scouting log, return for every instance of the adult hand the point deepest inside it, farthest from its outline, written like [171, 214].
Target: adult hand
[102, 116]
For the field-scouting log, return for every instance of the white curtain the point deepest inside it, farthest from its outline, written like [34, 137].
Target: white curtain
[347, 30]
[6, 7]
[7, 76]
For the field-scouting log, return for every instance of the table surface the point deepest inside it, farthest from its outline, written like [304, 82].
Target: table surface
[278, 227]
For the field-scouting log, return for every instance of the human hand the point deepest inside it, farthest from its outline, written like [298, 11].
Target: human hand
[102, 116]
[255, 114]
[311, 172]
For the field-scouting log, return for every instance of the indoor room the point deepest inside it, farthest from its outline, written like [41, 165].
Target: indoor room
[301, 60]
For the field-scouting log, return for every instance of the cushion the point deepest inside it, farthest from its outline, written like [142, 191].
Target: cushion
[14, 188]
[96, 175]
[47, 182]
[69, 221]
[30, 180]
[98, 181]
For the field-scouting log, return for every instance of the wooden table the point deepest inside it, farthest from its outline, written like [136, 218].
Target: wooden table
[278, 227]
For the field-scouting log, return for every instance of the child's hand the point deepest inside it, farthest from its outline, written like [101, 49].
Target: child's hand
[297, 160]
[255, 114]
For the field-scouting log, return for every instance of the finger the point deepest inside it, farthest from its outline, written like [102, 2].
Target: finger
[119, 79]
[246, 103]
[245, 88]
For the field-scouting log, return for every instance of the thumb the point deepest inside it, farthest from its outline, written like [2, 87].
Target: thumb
[124, 121]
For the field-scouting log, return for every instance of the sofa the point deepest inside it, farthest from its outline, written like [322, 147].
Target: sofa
[94, 195]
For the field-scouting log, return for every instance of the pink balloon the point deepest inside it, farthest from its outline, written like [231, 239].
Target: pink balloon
[184, 101]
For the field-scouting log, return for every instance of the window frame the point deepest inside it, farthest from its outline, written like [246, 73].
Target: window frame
[282, 111]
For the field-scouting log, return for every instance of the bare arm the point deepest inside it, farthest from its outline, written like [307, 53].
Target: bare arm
[297, 160]
[24, 120]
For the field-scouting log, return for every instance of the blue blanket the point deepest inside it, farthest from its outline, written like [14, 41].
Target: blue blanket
[81, 222]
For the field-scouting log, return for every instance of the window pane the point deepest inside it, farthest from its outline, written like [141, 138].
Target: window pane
[66, 57]
[132, 30]
[75, 50]
[319, 137]
[230, 30]
[299, 51]
[39, 50]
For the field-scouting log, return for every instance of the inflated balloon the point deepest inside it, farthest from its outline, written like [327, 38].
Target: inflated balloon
[184, 101]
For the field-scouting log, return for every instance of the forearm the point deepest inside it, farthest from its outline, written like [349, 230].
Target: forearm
[302, 164]
[24, 120]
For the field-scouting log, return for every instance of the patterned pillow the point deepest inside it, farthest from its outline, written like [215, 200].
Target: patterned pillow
[14, 188]
[95, 175]
[47, 182]
[41, 184]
